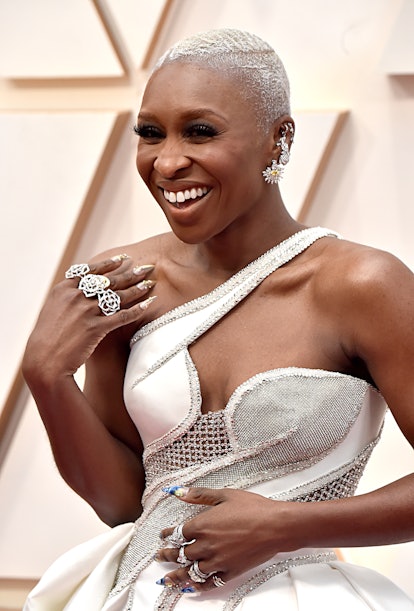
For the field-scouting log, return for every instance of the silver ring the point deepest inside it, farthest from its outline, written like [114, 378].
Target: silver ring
[218, 581]
[182, 558]
[93, 284]
[176, 538]
[196, 574]
[77, 270]
[109, 302]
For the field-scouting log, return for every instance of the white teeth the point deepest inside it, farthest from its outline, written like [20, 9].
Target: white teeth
[182, 196]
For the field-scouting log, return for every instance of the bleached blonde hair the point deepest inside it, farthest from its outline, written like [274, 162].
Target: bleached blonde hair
[244, 57]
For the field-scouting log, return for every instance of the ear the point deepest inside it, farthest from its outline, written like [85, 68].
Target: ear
[284, 126]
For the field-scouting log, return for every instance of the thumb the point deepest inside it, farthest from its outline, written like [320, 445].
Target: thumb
[196, 496]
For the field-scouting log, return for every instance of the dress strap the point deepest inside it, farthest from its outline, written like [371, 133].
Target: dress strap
[230, 293]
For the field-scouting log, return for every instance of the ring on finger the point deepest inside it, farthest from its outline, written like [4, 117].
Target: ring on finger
[77, 270]
[109, 302]
[218, 581]
[176, 538]
[182, 558]
[197, 575]
[93, 284]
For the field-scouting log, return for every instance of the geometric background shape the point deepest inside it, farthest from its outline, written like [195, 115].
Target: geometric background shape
[70, 41]
[125, 14]
[398, 57]
[315, 136]
[365, 193]
[49, 164]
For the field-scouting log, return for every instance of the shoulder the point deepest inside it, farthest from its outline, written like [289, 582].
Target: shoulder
[150, 250]
[369, 296]
[356, 273]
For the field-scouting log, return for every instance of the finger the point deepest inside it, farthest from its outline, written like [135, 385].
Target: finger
[131, 276]
[136, 292]
[170, 554]
[129, 315]
[197, 496]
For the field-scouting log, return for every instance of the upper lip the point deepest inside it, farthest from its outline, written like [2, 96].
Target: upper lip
[182, 186]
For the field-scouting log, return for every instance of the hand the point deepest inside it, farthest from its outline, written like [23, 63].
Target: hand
[70, 325]
[238, 532]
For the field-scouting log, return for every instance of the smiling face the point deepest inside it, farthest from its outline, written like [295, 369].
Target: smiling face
[200, 151]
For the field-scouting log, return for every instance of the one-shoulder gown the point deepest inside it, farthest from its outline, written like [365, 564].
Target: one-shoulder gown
[287, 434]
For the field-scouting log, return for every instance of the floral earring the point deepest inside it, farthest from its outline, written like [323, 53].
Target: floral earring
[273, 173]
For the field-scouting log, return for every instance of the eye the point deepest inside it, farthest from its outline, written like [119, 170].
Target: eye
[200, 131]
[148, 132]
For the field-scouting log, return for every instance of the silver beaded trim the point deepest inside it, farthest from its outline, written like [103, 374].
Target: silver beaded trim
[265, 264]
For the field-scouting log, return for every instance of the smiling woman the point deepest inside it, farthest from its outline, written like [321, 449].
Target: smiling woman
[234, 412]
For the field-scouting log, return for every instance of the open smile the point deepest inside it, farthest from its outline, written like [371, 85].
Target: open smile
[181, 199]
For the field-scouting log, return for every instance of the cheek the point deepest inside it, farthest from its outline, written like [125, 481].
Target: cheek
[144, 163]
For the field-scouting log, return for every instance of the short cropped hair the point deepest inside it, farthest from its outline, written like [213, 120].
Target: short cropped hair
[243, 56]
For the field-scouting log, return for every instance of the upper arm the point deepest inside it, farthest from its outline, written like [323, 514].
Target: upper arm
[378, 319]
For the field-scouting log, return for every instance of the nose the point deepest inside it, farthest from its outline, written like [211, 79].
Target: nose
[170, 159]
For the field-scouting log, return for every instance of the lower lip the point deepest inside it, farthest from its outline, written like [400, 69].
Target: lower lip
[180, 208]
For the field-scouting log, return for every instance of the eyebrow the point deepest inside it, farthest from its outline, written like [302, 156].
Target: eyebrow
[194, 113]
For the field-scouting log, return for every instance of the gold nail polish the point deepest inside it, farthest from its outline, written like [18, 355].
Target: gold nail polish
[146, 284]
[120, 257]
[143, 269]
[145, 304]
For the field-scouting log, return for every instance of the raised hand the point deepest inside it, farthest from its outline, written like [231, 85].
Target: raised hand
[71, 324]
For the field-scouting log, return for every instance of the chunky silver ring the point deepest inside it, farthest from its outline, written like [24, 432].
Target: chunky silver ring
[109, 302]
[77, 270]
[93, 284]
[218, 581]
[182, 558]
[176, 538]
[196, 574]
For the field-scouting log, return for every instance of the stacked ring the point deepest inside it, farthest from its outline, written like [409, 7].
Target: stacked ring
[182, 558]
[196, 574]
[177, 538]
[218, 581]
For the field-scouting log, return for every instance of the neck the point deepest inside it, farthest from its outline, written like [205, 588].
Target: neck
[243, 242]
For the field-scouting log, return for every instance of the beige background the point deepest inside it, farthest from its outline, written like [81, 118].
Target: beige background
[71, 75]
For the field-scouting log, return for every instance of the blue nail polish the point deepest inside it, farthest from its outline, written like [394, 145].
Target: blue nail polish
[188, 590]
[171, 489]
[160, 582]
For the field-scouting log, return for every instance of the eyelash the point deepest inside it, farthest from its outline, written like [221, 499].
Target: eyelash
[198, 130]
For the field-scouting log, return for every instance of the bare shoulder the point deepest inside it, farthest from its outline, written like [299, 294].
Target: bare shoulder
[149, 250]
[368, 296]
[355, 273]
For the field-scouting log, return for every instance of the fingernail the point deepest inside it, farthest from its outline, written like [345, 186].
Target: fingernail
[146, 284]
[120, 257]
[160, 582]
[147, 302]
[143, 269]
[189, 590]
[176, 490]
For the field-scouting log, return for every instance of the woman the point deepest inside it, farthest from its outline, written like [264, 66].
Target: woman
[253, 383]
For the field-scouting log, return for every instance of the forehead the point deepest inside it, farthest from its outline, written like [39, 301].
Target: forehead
[182, 86]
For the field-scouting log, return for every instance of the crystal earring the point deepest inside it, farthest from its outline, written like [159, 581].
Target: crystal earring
[273, 173]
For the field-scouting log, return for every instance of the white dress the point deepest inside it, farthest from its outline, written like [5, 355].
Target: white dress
[288, 434]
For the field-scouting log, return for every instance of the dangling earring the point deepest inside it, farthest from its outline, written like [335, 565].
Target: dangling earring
[272, 174]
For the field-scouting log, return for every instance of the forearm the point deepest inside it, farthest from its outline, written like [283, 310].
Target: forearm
[100, 468]
[384, 516]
